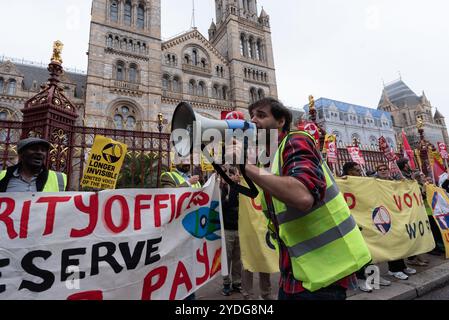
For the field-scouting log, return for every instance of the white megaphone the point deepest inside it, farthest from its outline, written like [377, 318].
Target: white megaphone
[191, 130]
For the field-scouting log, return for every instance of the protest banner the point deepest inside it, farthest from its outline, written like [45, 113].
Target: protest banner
[391, 157]
[356, 155]
[151, 244]
[391, 215]
[439, 202]
[330, 149]
[104, 163]
[257, 250]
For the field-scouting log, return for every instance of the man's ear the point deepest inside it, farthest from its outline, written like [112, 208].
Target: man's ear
[281, 123]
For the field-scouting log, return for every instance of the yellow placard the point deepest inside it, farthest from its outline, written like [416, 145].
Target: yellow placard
[391, 215]
[206, 166]
[104, 164]
[439, 202]
[257, 252]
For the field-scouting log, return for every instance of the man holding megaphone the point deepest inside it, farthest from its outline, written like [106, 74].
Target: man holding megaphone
[318, 240]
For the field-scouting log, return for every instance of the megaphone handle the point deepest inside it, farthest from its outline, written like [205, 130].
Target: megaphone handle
[250, 192]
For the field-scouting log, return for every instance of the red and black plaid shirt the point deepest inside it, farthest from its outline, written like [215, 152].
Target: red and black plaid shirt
[301, 160]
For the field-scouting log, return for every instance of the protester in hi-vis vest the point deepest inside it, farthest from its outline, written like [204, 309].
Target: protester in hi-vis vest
[318, 240]
[181, 177]
[30, 173]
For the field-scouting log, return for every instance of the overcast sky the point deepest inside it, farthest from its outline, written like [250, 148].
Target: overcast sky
[339, 49]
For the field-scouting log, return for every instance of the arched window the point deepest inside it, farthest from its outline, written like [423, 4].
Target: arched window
[140, 16]
[144, 48]
[11, 87]
[337, 134]
[113, 11]
[253, 95]
[355, 136]
[2, 84]
[109, 41]
[373, 142]
[166, 82]
[125, 118]
[201, 89]
[251, 48]
[215, 93]
[203, 63]
[117, 42]
[242, 45]
[259, 50]
[176, 84]
[118, 121]
[133, 73]
[127, 13]
[195, 57]
[130, 123]
[187, 59]
[261, 94]
[192, 87]
[3, 115]
[222, 72]
[120, 71]
[225, 93]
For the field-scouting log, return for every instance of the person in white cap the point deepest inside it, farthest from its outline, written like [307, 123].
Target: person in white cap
[31, 174]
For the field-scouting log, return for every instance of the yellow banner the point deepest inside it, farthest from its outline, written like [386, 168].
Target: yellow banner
[391, 215]
[104, 164]
[257, 252]
[439, 202]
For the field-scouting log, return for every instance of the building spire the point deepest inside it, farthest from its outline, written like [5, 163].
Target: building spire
[193, 26]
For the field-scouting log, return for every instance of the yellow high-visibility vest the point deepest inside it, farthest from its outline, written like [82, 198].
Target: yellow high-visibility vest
[56, 181]
[324, 244]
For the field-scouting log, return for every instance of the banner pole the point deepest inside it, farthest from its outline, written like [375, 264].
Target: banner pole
[433, 172]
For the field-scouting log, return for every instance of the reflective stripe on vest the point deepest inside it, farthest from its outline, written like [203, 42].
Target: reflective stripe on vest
[324, 243]
[56, 181]
[180, 179]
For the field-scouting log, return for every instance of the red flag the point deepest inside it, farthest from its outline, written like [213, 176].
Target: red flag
[408, 152]
[438, 170]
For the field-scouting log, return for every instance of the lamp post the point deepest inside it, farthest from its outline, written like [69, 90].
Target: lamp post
[160, 122]
[423, 146]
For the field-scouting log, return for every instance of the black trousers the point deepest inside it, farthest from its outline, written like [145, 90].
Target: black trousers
[397, 266]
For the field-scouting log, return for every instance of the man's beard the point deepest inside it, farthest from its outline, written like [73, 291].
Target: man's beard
[184, 168]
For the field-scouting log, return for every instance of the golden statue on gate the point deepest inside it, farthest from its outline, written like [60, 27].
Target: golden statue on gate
[419, 122]
[311, 103]
[57, 50]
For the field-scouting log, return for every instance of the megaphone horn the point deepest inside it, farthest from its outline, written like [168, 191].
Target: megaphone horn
[188, 128]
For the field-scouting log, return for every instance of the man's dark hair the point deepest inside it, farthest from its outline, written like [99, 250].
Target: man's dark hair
[349, 166]
[401, 163]
[382, 165]
[278, 110]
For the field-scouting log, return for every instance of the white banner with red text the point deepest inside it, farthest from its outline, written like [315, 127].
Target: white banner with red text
[151, 244]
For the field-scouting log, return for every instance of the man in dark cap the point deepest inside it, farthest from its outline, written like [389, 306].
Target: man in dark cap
[30, 174]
